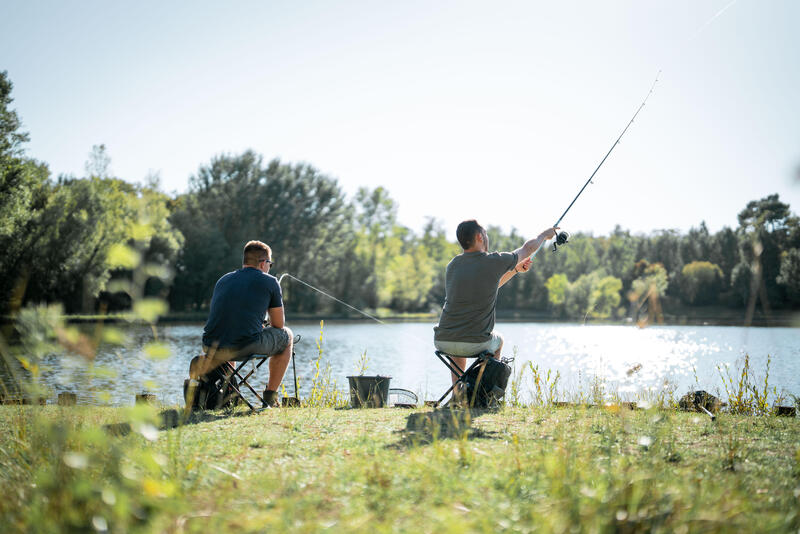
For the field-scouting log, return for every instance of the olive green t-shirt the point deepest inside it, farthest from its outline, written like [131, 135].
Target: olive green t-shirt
[471, 295]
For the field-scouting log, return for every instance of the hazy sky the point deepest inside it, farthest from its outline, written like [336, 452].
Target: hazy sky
[493, 110]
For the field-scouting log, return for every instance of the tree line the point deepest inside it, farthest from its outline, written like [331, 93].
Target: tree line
[96, 243]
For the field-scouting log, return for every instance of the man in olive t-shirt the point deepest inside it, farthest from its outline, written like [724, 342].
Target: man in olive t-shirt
[466, 326]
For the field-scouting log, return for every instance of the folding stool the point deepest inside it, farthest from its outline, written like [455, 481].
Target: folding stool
[236, 382]
[447, 360]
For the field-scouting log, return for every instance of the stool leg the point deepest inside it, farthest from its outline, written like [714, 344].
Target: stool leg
[460, 379]
[229, 381]
[247, 384]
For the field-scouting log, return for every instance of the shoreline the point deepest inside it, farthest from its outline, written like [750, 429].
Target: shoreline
[783, 319]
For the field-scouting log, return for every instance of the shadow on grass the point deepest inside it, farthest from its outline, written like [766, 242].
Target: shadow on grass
[423, 428]
[173, 418]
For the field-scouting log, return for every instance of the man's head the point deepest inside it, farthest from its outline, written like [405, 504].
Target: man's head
[257, 254]
[470, 233]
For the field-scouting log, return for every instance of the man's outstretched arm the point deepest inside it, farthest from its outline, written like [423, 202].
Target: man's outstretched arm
[532, 245]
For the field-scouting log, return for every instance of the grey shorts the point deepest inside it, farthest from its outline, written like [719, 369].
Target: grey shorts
[271, 341]
[463, 348]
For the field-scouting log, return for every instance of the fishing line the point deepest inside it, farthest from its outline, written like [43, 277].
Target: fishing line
[365, 314]
[709, 21]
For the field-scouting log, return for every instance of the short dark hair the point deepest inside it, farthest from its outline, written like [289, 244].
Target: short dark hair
[254, 252]
[466, 232]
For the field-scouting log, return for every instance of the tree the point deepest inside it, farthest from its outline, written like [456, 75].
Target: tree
[72, 238]
[697, 244]
[701, 282]
[767, 213]
[579, 257]
[619, 255]
[62, 252]
[439, 252]
[766, 228]
[664, 248]
[295, 209]
[99, 163]
[23, 194]
[647, 289]
[15, 188]
[376, 216]
[604, 297]
[789, 275]
[557, 287]
[725, 252]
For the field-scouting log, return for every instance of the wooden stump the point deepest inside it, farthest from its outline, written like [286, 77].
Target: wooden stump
[67, 399]
[786, 411]
[146, 398]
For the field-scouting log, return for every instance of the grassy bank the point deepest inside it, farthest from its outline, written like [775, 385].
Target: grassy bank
[310, 469]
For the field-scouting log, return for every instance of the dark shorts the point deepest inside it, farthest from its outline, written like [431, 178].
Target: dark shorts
[270, 341]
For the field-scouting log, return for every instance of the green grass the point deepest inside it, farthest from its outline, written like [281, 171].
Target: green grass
[310, 469]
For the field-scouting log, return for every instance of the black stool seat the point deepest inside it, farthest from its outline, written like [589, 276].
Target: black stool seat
[447, 360]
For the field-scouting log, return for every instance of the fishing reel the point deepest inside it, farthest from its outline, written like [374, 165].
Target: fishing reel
[562, 238]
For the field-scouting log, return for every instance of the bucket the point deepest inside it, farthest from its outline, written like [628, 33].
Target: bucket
[369, 391]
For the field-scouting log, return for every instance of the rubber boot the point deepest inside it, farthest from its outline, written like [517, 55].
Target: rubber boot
[271, 399]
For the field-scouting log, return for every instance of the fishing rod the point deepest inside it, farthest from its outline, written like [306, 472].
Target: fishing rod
[563, 236]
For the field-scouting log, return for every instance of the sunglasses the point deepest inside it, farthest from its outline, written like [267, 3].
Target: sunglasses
[271, 263]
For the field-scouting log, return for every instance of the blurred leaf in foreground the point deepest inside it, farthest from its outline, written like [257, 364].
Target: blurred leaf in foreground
[149, 309]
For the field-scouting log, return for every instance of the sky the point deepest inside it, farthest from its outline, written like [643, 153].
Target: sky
[498, 111]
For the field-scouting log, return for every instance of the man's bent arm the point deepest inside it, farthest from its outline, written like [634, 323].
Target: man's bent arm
[276, 317]
[506, 277]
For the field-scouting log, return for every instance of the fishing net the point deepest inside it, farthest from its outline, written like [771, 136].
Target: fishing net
[402, 398]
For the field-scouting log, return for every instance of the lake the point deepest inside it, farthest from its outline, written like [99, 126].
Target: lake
[684, 356]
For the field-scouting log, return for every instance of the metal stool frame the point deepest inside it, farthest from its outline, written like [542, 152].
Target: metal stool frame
[236, 380]
[447, 360]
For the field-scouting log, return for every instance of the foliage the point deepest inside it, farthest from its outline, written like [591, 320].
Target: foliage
[789, 276]
[68, 473]
[591, 295]
[71, 240]
[604, 297]
[545, 385]
[325, 391]
[296, 210]
[701, 282]
[745, 396]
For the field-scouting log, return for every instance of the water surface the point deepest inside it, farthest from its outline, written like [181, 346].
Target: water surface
[681, 356]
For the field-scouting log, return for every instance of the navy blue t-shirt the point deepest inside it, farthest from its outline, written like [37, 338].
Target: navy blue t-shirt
[238, 307]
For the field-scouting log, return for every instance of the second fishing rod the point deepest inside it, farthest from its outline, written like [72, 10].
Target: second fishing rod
[562, 237]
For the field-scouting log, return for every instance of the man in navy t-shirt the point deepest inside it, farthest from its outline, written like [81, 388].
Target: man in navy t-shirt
[235, 327]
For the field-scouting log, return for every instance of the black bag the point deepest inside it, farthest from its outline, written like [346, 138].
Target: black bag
[212, 389]
[493, 382]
